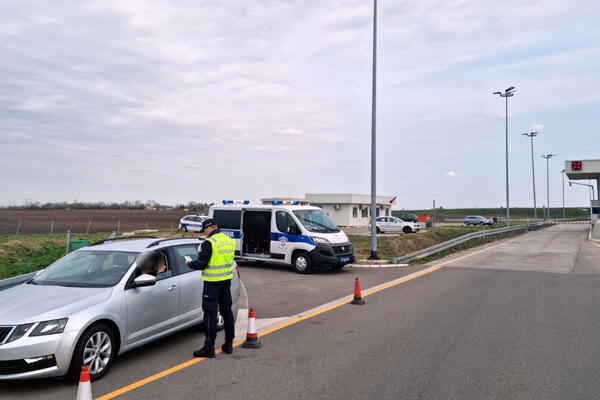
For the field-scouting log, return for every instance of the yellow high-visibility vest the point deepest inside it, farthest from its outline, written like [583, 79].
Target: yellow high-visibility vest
[220, 265]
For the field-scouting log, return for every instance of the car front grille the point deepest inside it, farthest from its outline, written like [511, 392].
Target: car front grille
[343, 249]
[4, 331]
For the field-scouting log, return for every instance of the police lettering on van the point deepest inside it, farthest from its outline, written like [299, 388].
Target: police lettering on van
[284, 233]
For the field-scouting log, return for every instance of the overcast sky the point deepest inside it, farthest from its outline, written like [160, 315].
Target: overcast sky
[208, 100]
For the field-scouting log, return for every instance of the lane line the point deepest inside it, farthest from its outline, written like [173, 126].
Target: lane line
[294, 320]
[596, 244]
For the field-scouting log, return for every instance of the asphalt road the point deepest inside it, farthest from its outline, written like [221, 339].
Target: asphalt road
[517, 319]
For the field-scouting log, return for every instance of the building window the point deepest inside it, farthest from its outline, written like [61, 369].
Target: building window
[354, 212]
[387, 212]
[377, 212]
[365, 212]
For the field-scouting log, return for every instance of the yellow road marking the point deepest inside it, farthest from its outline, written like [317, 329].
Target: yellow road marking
[189, 363]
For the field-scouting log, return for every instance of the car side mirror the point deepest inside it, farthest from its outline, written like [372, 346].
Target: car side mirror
[144, 280]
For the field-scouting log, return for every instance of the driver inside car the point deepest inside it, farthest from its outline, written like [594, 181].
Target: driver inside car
[153, 264]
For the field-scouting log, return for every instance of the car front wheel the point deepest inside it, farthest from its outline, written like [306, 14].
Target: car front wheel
[183, 228]
[407, 229]
[96, 349]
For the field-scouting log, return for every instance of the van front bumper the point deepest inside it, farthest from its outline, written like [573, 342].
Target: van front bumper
[332, 255]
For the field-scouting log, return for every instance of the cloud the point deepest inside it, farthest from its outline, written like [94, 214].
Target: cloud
[276, 89]
[291, 131]
[537, 127]
[450, 174]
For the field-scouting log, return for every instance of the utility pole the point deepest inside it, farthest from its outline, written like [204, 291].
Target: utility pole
[373, 255]
[507, 93]
[548, 157]
[531, 135]
[563, 192]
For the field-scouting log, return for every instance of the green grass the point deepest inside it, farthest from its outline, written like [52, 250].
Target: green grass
[27, 253]
[392, 246]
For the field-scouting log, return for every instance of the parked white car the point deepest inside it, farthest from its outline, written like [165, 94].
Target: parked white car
[395, 225]
[478, 220]
[191, 223]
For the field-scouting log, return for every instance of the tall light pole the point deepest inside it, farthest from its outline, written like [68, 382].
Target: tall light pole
[591, 195]
[531, 135]
[510, 92]
[563, 190]
[548, 157]
[373, 255]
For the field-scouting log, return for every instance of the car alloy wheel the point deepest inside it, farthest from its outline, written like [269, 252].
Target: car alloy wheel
[97, 352]
[183, 229]
[302, 263]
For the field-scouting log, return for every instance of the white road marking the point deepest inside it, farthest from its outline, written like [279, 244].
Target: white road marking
[596, 244]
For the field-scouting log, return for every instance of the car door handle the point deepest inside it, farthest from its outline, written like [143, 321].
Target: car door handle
[172, 287]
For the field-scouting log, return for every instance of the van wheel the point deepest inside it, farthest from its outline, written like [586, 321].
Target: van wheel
[302, 262]
[407, 229]
[183, 229]
[96, 349]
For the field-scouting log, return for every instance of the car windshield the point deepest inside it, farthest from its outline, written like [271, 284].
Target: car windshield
[87, 268]
[316, 221]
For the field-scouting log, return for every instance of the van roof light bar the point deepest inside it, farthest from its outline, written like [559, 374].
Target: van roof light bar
[294, 202]
[236, 201]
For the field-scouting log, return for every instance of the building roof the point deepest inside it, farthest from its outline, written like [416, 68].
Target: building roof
[347, 198]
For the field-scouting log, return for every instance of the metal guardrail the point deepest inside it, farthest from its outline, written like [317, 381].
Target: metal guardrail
[469, 239]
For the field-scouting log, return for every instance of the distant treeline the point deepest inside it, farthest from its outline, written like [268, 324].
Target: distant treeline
[126, 205]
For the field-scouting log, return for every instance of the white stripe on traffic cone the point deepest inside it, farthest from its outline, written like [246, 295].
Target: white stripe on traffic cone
[252, 341]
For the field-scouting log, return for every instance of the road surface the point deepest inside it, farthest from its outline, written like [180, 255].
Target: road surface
[517, 319]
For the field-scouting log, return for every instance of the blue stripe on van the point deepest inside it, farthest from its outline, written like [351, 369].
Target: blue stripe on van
[232, 233]
[291, 238]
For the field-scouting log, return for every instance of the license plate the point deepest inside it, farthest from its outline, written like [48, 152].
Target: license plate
[345, 259]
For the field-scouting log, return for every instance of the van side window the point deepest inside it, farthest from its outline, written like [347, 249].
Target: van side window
[228, 219]
[284, 221]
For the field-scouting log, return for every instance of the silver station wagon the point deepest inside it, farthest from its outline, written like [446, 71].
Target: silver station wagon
[97, 302]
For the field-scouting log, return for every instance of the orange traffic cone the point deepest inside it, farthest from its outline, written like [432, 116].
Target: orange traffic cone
[357, 296]
[252, 341]
[84, 391]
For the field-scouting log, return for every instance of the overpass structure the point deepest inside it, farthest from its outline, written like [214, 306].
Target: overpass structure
[588, 169]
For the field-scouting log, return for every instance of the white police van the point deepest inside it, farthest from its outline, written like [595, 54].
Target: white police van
[284, 233]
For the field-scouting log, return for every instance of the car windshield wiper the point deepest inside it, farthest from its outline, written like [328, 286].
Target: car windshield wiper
[31, 282]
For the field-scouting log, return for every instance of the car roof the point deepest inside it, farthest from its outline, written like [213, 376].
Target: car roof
[140, 245]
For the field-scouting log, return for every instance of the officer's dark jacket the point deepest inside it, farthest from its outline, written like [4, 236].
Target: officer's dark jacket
[204, 254]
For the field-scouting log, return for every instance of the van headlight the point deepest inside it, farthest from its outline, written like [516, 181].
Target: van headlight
[50, 327]
[317, 239]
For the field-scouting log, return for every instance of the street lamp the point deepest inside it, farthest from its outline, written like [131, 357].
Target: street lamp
[591, 194]
[563, 190]
[373, 255]
[548, 157]
[510, 92]
[531, 135]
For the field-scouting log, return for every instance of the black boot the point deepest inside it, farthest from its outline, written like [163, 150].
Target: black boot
[227, 347]
[207, 352]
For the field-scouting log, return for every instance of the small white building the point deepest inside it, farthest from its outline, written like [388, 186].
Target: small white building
[351, 209]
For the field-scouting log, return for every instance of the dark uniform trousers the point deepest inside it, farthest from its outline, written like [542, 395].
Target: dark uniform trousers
[217, 298]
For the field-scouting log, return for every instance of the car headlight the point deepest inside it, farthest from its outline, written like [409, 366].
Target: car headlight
[50, 327]
[317, 239]
[18, 332]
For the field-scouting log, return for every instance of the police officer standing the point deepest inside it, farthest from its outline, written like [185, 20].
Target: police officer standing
[215, 259]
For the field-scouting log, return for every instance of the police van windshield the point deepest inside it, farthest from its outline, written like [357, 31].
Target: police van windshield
[316, 221]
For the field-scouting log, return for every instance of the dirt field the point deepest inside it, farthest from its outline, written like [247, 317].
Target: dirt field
[39, 221]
